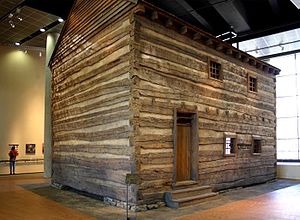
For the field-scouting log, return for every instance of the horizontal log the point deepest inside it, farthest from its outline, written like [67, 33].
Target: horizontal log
[122, 107]
[107, 134]
[208, 105]
[152, 197]
[94, 149]
[91, 108]
[92, 122]
[90, 160]
[103, 56]
[103, 39]
[191, 89]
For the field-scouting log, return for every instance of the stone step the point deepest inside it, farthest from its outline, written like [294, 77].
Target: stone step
[190, 200]
[191, 191]
[196, 199]
[185, 184]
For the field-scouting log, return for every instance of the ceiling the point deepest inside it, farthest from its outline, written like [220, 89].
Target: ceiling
[282, 43]
[247, 18]
[21, 21]
[243, 19]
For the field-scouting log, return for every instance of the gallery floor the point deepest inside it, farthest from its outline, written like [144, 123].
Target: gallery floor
[30, 197]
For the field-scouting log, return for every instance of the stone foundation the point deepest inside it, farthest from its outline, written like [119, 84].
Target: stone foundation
[133, 207]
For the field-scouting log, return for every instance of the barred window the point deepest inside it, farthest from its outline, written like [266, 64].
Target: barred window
[256, 146]
[252, 84]
[215, 70]
[230, 144]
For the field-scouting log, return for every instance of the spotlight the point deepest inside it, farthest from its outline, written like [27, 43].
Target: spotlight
[40, 54]
[11, 23]
[17, 44]
[60, 20]
[42, 30]
[19, 18]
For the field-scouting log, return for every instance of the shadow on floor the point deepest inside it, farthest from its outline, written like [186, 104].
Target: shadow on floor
[97, 209]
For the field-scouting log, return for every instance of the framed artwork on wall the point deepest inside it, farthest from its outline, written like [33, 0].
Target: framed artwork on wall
[13, 145]
[30, 148]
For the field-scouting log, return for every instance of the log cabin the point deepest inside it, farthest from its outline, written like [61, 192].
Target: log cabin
[138, 91]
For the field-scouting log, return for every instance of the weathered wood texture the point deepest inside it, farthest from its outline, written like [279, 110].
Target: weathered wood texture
[173, 73]
[91, 99]
[117, 78]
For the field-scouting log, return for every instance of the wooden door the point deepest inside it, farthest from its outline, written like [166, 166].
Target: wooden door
[183, 166]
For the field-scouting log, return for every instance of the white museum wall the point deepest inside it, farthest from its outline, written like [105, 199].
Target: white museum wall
[21, 101]
[288, 170]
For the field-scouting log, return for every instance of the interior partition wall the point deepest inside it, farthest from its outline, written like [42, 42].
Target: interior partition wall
[288, 107]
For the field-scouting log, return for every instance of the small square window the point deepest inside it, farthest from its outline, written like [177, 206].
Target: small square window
[230, 144]
[215, 70]
[256, 146]
[252, 84]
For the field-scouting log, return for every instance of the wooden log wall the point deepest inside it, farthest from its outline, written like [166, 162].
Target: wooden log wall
[117, 78]
[92, 148]
[172, 72]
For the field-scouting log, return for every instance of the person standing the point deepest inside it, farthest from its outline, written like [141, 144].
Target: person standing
[13, 153]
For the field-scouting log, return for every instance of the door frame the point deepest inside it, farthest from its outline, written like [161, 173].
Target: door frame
[194, 143]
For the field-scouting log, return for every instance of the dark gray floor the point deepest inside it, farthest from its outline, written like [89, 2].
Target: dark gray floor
[99, 210]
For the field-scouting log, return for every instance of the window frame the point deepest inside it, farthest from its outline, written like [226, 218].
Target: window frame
[210, 61]
[249, 83]
[231, 136]
[254, 139]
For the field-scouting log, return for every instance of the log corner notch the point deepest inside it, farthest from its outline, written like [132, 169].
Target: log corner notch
[168, 20]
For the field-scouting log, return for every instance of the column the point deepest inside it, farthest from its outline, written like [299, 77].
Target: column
[50, 45]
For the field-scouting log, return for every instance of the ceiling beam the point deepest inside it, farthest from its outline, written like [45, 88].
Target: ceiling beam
[194, 13]
[231, 14]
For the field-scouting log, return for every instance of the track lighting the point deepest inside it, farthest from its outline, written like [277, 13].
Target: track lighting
[15, 15]
[19, 18]
[39, 31]
[12, 24]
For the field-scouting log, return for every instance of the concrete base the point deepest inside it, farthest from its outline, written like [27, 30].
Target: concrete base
[288, 170]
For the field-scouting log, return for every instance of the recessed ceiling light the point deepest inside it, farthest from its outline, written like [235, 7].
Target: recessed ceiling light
[42, 30]
[60, 20]
[17, 44]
